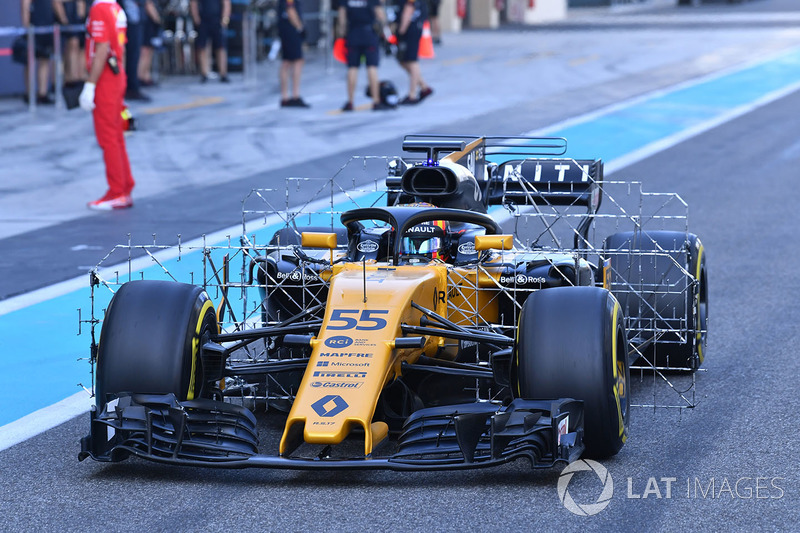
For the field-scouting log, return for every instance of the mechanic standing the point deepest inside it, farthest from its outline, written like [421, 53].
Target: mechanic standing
[39, 13]
[413, 14]
[134, 11]
[436, 25]
[211, 19]
[356, 20]
[292, 34]
[151, 31]
[103, 94]
[72, 12]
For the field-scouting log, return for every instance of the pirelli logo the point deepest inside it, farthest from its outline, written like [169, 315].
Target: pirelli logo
[335, 374]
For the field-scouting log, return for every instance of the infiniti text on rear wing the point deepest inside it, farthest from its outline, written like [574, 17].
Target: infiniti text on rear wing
[547, 181]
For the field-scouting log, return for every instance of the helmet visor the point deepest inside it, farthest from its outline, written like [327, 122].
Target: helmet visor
[429, 247]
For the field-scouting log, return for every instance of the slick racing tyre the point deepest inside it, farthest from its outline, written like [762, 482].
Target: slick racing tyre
[150, 340]
[660, 280]
[571, 343]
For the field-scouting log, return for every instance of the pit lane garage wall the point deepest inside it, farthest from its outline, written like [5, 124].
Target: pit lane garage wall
[11, 74]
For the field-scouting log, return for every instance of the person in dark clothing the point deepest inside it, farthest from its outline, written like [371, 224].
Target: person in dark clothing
[151, 31]
[436, 25]
[211, 18]
[39, 13]
[134, 11]
[413, 14]
[72, 13]
[292, 34]
[356, 20]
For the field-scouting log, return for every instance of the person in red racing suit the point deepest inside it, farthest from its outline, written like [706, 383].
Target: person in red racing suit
[103, 94]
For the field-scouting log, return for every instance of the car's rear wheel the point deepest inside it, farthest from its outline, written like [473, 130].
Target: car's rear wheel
[660, 280]
[571, 343]
[150, 340]
[279, 304]
[282, 299]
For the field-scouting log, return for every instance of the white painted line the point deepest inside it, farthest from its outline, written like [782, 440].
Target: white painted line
[49, 417]
[603, 111]
[59, 289]
[502, 215]
[65, 287]
[44, 419]
[668, 142]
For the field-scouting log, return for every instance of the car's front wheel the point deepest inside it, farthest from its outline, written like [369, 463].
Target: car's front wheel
[571, 343]
[150, 340]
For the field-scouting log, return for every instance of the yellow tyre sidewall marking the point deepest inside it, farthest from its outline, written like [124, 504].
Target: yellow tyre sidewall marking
[196, 346]
[698, 325]
[615, 385]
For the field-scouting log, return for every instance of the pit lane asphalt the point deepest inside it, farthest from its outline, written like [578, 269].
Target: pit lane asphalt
[739, 180]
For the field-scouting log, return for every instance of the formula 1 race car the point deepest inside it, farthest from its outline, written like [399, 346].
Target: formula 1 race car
[464, 320]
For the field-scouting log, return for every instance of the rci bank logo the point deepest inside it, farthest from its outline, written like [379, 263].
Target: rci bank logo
[585, 509]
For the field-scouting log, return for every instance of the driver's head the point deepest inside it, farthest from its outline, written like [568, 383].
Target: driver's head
[425, 240]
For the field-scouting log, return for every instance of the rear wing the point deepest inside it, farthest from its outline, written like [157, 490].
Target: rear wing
[557, 182]
[476, 172]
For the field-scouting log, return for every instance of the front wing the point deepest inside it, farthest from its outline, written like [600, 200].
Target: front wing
[220, 434]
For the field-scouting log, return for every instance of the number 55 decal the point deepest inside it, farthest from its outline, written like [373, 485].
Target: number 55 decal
[367, 320]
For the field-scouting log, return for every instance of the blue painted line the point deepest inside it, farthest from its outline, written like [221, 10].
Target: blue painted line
[629, 128]
[45, 358]
[41, 352]
[40, 355]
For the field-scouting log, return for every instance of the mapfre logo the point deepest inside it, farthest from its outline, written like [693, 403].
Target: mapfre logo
[585, 509]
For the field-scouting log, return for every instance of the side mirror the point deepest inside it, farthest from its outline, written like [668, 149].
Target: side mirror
[311, 239]
[494, 242]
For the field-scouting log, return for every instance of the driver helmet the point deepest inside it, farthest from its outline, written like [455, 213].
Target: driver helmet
[426, 239]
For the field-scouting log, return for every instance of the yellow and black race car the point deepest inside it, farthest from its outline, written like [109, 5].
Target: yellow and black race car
[468, 322]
